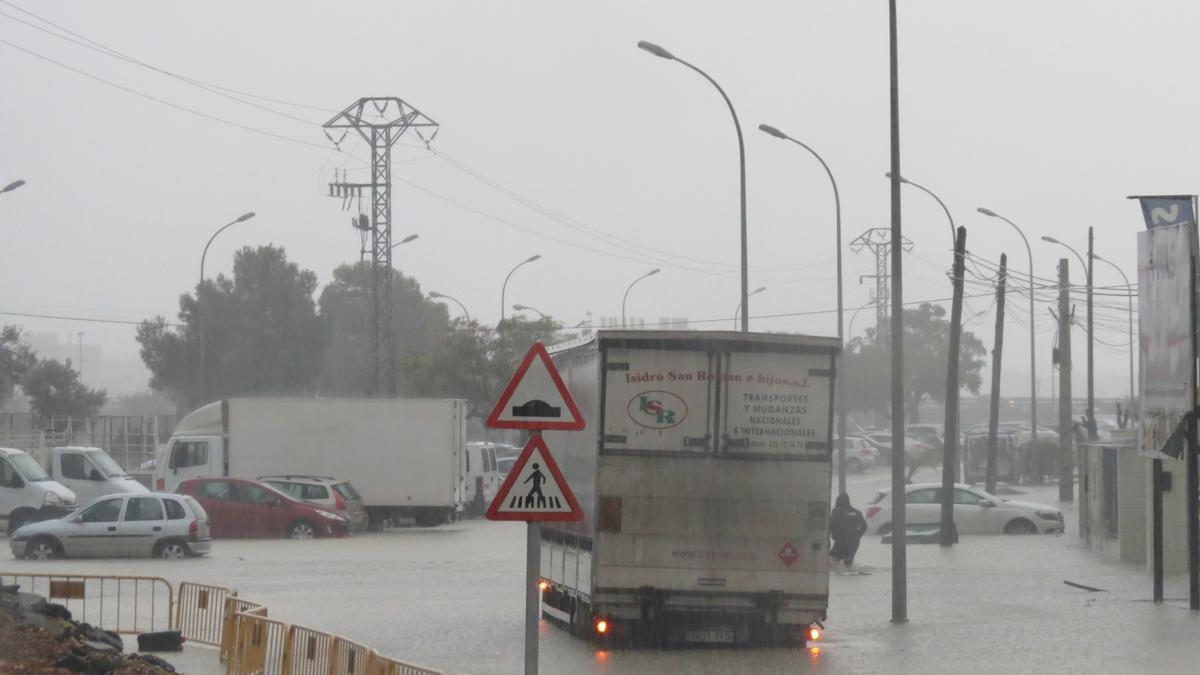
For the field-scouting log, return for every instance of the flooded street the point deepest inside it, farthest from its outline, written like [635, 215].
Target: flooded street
[450, 598]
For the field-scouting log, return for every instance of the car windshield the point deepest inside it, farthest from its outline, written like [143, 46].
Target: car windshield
[197, 509]
[107, 464]
[29, 469]
[879, 496]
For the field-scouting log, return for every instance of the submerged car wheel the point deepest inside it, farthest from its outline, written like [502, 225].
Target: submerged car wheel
[301, 529]
[1020, 526]
[43, 548]
[173, 550]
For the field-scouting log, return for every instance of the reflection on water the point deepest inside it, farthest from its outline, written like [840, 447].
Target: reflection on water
[601, 656]
[814, 656]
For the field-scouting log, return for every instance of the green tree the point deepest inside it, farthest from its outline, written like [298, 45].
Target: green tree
[53, 388]
[261, 329]
[475, 363]
[419, 326]
[16, 358]
[926, 357]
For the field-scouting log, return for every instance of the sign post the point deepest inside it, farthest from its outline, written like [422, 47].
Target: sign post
[536, 399]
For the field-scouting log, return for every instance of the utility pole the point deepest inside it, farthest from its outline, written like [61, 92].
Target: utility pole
[949, 535]
[896, 236]
[380, 121]
[1066, 439]
[1091, 373]
[994, 403]
[878, 240]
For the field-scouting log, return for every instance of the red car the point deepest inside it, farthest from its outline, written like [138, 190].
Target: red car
[248, 508]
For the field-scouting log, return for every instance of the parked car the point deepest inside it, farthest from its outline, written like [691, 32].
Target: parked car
[120, 526]
[860, 453]
[504, 465]
[481, 475]
[27, 493]
[975, 512]
[336, 495]
[245, 508]
[883, 442]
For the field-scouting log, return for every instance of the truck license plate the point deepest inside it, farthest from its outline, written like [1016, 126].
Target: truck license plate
[717, 636]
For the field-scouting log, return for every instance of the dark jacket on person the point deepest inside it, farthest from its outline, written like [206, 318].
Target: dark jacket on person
[846, 528]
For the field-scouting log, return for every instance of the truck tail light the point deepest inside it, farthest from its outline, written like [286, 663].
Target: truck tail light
[160, 485]
[543, 584]
[194, 530]
[872, 510]
[814, 633]
[601, 626]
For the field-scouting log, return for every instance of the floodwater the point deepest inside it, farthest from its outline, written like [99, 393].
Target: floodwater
[451, 598]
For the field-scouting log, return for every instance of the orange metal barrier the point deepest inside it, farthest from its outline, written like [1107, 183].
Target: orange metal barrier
[121, 604]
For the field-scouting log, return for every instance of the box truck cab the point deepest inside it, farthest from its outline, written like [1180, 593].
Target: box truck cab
[91, 473]
[28, 493]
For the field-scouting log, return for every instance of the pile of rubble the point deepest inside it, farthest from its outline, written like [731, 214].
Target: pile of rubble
[40, 637]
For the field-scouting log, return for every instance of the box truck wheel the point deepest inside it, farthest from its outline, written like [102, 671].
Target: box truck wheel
[430, 517]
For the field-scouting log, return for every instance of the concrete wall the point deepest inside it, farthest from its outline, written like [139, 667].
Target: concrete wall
[1133, 506]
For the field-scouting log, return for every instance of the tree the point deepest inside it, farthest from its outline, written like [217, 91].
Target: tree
[419, 326]
[16, 358]
[926, 345]
[475, 363]
[261, 328]
[54, 388]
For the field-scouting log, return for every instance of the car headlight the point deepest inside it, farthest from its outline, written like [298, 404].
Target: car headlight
[332, 516]
[1049, 515]
[51, 499]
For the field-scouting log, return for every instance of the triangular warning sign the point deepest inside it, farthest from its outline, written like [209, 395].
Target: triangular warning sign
[535, 489]
[536, 398]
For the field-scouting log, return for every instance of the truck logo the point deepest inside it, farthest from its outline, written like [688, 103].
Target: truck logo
[788, 554]
[657, 410]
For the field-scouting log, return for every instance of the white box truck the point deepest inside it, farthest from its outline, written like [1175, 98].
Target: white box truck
[403, 455]
[704, 477]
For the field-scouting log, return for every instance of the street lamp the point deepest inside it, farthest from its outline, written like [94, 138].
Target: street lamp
[922, 188]
[1032, 329]
[200, 289]
[626, 296]
[504, 288]
[406, 240]
[442, 296]
[1129, 296]
[837, 208]
[12, 186]
[523, 308]
[741, 308]
[662, 53]
[1091, 390]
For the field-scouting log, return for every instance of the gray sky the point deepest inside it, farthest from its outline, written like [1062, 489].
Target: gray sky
[1048, 112]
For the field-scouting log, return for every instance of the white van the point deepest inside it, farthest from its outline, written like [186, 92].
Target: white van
[90, 473]
[481, 475]
[27, 493]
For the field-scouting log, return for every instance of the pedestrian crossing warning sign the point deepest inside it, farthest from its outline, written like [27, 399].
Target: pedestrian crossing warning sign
[535, 489]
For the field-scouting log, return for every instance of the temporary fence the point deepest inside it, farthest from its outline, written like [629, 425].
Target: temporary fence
[249, 641]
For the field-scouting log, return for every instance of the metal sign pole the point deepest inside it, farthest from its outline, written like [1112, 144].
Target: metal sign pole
[533, 572]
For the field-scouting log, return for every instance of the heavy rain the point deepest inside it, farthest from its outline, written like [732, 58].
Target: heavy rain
[390, 337]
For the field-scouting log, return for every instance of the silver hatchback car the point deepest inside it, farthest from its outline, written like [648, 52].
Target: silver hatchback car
[120, 526]
[336, 495]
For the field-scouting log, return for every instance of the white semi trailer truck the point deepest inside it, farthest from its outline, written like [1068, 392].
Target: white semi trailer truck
[704, 477]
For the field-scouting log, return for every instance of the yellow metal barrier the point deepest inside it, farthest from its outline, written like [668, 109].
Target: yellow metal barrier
[122, 604]
[233, 606]
[200, 612]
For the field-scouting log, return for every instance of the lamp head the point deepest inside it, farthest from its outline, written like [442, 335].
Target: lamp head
[12, 186]
[653, 272]
[656, 50]
[772, 131]
[1052, 240]
[409, 238]
[520, 307]
[760, 289]
[902, 178]
[533, 257]
[435, 294]
[244, 217]
[987, 212]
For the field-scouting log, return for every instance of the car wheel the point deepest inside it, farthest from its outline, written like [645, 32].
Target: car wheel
[1020, 526]
[17, 520]
[854, 465]
[172, 550]
[43, 548]
[301, 529]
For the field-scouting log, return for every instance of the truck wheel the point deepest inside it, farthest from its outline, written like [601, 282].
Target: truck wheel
[43, 548]
[17, 519]
[430, 518]
[301, 529]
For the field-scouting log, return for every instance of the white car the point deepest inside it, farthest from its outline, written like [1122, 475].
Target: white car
[120, 526]
[861, 453]
[335, 495]
[975, 512]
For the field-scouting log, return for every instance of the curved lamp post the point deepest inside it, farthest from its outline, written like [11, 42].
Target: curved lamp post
[1091, 382]
[664, 54]
[741, 308]
[406, 240]
[626, 296]
[922, 188]
[199, 321]
[1032, 329]
[837, 208]
[1129, 296]
[504, 288]
[443, 296]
